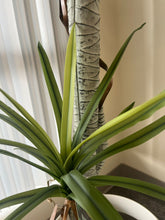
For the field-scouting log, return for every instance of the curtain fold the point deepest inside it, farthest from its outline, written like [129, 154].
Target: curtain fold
[22, 25]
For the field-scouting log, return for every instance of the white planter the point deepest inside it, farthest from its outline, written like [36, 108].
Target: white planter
[120, 203]
[130, 207]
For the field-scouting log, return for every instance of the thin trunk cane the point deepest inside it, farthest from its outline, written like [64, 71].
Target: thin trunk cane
[53, 215]
[69, 205]
[66, 210]
[74, 209]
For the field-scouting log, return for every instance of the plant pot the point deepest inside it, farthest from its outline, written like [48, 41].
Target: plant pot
[130, 207]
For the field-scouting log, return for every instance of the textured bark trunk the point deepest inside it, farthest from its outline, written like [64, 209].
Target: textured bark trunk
[85, 13]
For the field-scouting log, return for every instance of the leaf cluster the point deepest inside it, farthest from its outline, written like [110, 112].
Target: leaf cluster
[76, 156]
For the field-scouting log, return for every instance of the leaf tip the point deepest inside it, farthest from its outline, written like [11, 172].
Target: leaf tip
[142, 25]
[39, 45]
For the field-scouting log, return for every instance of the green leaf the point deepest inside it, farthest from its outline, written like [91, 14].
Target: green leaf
[89, 198]
[68, 95]
[117, 125]
[24, 124]
[18, 198]
[8, 153]
[129, 183]
[128, 108]
[35, 132]
[129, 142]
[51, 85]
[45, 193]
[26, 148]
[32, 133]
[100, 91]
[41, 132]
[55, 166]
[28, 134]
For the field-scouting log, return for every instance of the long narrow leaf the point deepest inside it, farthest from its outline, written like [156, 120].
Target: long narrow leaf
[34, 133]
[51, 191]
[129, 142]
[18, 198]
[117, 125]
[8, 153]
[26, 148]
[89, 198]
[127, 108]
[32, 129]
[28, 134]
[33, 121]
[129, 183]
[68, 95]
[51, 85]
[100, 91]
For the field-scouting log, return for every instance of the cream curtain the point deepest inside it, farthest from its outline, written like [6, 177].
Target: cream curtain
[22, 25]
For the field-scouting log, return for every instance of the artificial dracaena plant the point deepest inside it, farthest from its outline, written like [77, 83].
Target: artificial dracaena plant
[76, 156]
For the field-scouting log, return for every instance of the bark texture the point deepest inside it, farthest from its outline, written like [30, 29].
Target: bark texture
[85, 13]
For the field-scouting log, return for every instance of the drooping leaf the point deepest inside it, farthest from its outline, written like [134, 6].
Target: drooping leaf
[115, 126]
[22, 129]
[51, 85]
[100, 91]
[26, 148]
[46, 192]
[32, 130]
[58, 170]
[18, 198]
[46, 170]
[68, 95]
[129, 142]
[33, 122]
[32, 133]
[129, 183]
[89, 198]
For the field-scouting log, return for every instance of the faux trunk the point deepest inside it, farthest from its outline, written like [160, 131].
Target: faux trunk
[85, 14]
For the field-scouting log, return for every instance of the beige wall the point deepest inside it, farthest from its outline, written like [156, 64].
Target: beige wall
[141, 73]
